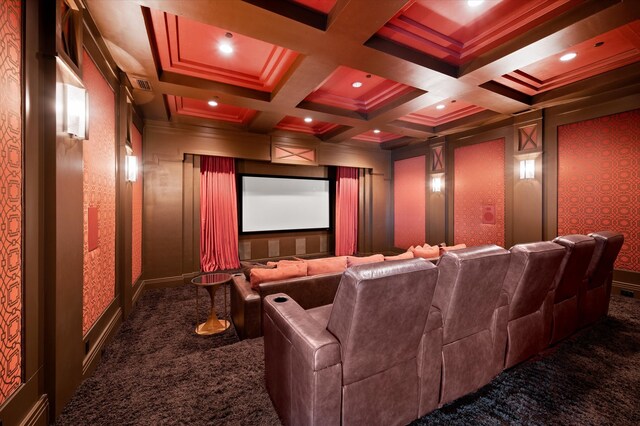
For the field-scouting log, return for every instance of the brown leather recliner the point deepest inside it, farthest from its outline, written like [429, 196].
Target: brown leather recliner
[355, 362]
[473, 305]
[529, 284]
[595, 291]
[579, 250]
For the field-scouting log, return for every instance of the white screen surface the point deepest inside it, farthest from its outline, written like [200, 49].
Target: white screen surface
[276, 204]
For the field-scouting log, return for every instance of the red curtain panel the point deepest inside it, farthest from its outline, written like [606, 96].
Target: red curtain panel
[218, 214]
[346, 211]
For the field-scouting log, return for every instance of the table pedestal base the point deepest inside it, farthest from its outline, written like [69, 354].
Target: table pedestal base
[212, 326]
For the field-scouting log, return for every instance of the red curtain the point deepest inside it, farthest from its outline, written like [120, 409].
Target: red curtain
[218, 214]
[346, 211]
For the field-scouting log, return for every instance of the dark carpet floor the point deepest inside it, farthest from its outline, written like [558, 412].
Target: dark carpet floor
[158, 372]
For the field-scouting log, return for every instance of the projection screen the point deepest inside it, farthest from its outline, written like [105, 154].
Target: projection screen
[283, 204]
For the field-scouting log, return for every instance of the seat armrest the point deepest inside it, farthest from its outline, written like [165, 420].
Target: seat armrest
[310, 339]
[246, 308]
[503, 300]
[434, 320]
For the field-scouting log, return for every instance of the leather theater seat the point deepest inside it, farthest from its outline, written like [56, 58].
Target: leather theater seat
[359, 365]
[529, 284]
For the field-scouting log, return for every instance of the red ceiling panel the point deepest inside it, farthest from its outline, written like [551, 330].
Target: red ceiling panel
[370, 136]
[432, 116]
[199, 108]
[323, 6]
[455, 32]
[191, 48]
[296, 124]
[621, 47]
[337, 91]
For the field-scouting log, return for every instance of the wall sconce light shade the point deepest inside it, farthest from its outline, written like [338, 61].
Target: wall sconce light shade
[527, 169]
[436, 184]
[76, 111]
[131, 168]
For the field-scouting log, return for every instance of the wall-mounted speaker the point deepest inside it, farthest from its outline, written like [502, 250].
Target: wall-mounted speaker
[488, 214]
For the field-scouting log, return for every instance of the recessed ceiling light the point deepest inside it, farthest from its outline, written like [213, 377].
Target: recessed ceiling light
[225, 47]
[598, 44]
[474, 3]
[440, 106]
[568, 56]
[356, 84]
[376, 131]
[308, 119]
[213, 103]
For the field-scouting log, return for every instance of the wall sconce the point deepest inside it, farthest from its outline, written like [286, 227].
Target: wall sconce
[76, 111]
[436, 184]
[131, 168]
[527, 169]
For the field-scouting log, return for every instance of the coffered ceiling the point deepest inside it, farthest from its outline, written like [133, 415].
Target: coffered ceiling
[388, 72]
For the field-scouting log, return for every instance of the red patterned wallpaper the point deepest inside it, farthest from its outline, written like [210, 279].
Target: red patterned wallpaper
[598, 180]
[10, 197]
[409, 207]
[136, 209]
[478, 192]
[99, 156]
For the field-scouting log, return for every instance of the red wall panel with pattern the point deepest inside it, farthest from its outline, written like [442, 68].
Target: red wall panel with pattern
[10, 197]
[136, 209]
[99, 185]
[409, 207]
[599, 182]
[479, 194]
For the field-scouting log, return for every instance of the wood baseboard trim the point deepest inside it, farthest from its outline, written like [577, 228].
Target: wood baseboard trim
[617, 287]
[139, 289]
[167, 282]
[38, 415]
[92, 359]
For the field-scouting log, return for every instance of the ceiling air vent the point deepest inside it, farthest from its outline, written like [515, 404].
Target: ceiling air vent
[140, 83]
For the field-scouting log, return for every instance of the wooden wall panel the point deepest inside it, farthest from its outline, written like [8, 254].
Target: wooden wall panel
[409, 205]
[11, 208]
[99, 188]
[479, 194]
[598, 180]
[170, 206]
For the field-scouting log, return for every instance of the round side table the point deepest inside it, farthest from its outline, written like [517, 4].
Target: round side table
[211, 282]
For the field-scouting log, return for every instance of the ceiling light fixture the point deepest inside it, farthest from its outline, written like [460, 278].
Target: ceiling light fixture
[213, 103]
[568, 56]
[308, 119]
[474, 3]
[376, 131]
[356, 84]
[225, 46]
[440, 106]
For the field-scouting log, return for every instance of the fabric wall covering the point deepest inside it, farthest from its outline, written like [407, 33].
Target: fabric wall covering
[10, 197]
[346, 211]
[409, 201]
[218, 214]
[99, 186]
[136, 209]
[479, 193]
[599, 180]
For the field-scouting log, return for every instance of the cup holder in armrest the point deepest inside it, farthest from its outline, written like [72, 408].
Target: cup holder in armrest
[280, 299]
